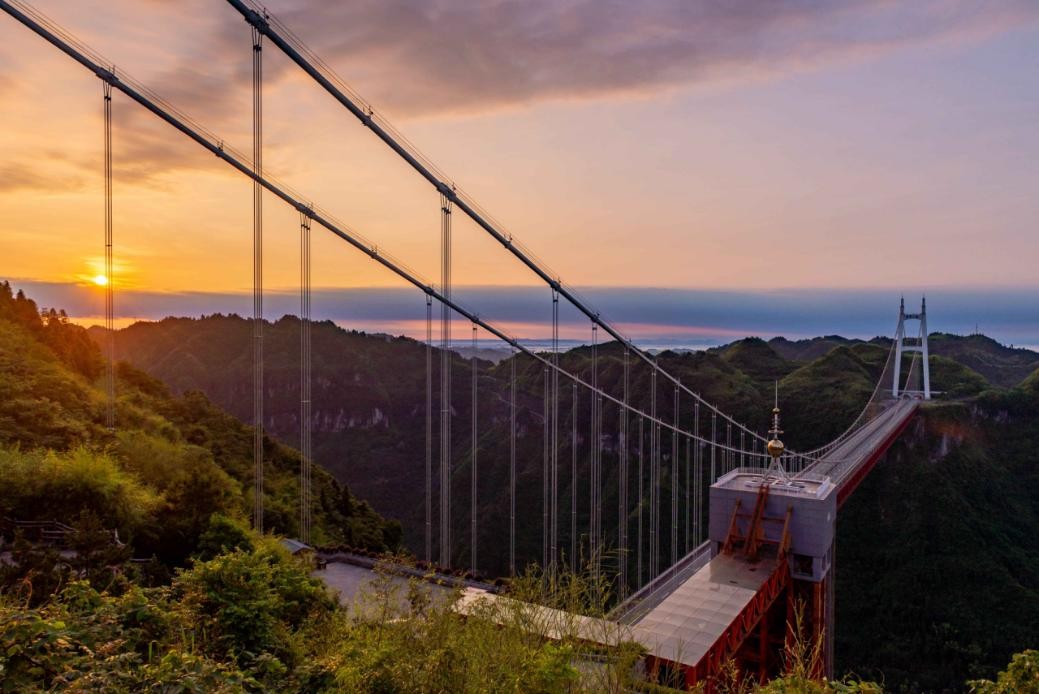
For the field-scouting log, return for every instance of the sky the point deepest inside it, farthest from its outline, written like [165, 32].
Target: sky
[699, 170]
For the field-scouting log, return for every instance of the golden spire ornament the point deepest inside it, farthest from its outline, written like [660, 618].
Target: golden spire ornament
[775, 446]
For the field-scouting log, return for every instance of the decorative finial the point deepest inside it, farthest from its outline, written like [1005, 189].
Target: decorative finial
[775, 446]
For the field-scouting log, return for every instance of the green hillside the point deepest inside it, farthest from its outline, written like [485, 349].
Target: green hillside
[169, 465]
[758, 359]
[1000, 365]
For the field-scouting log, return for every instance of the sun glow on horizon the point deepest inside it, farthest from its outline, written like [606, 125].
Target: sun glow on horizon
[100, 280]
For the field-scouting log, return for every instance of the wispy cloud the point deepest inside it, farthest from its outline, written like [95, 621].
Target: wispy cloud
[427, 57]
[23, 176]
[419, 58]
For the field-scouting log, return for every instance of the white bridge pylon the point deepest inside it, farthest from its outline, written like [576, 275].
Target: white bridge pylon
[919, 344]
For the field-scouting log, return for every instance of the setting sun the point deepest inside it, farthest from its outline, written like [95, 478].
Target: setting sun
[100, 280]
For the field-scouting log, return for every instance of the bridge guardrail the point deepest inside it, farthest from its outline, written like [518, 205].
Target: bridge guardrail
[645, 598]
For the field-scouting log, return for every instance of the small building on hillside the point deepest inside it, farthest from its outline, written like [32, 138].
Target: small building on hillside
[298, 548]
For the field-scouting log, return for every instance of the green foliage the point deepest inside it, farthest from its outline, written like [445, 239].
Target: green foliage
[43, 403]
[224, 535]
[48, 485]
[244, 603]
[957, 380]
[1020, 677]
[172, 463]
[70, 343]
[193, 489]
[409, 637]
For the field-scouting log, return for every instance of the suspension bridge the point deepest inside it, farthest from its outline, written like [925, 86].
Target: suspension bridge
[749, 523]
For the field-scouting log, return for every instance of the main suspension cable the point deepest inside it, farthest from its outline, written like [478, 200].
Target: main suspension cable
[312, 65]
[184, 124]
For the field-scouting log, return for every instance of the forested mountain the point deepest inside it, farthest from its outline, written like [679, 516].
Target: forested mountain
[936, 502]
[998, 364]
[170, 463]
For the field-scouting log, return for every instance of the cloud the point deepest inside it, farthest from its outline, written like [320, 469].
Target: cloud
[414, 58]
[417, 58]
[21, 176]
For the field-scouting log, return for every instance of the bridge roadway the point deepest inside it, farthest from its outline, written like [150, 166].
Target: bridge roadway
[849, 462]
[681, 622]
[708, 602]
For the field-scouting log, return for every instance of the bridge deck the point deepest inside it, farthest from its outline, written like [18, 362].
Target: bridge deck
[862, 447]
[684, 626]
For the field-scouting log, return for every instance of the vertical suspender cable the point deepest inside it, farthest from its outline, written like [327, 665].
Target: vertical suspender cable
[714, 446]
[598, 477]
[622, 500]
[109, 279]
[638, 556]
[305, 405]
[573, 480]
[445, 384]
[545, 471]
[688, 475]
[697, 474]
[429, 428]
[474, 498]
[258, 280]
[654, 479]
[675, 478]
[728, 447]
[593, 449]
[743, 448]
[512, 465]
[555, 426]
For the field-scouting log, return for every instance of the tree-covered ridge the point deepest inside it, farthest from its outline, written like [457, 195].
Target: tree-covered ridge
[170, 463]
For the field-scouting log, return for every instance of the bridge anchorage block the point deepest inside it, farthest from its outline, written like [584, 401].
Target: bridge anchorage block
[785, 526]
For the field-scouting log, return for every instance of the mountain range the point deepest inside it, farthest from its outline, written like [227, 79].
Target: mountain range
[938, 556]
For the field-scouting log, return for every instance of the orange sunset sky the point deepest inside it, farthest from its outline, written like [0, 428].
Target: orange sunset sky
[746, 146]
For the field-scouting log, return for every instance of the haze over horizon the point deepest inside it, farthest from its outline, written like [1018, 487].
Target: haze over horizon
[701, 172]
[651, 317]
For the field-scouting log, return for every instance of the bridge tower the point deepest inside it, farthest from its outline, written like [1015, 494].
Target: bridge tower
[919, 344]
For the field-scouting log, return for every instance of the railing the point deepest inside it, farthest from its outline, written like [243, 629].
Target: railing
[46, 532]
[650, 595]
[43, 532]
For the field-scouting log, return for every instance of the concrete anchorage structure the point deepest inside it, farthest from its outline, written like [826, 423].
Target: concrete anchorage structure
[771, 543]
[917, 344]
